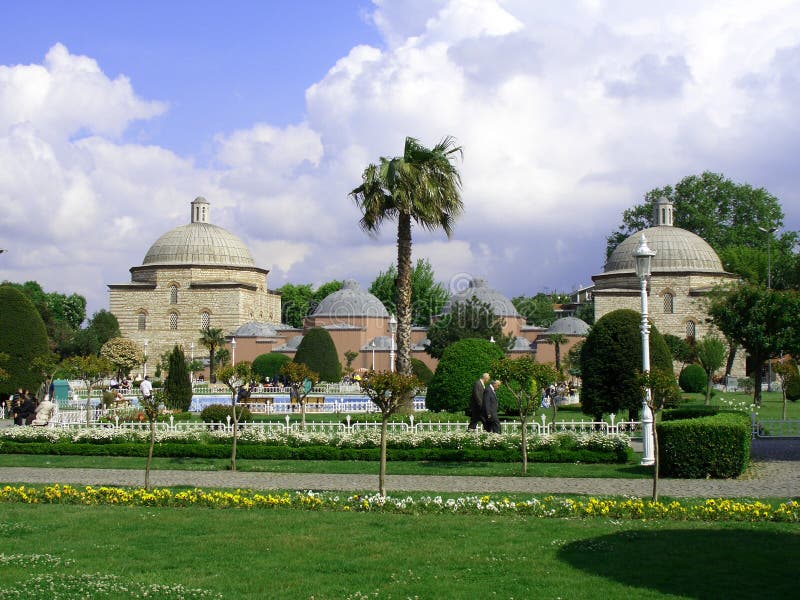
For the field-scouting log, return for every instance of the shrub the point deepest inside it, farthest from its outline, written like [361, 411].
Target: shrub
[689, 412]
[177, 385]
[793, 389]
[611, 360]
[318, 353]
[268, 366]
[219, 413]
[421, 371]
[23, 338]
[716, 446]
[692, 379]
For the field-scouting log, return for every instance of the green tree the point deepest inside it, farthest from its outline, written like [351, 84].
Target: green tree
[585, 312]
[427, 296]
[101, 327]
[299, 301]
[124, 354]
[389, 392]
[469, 319]
[23, 338]
[572, 362]
[611, 360]
[322, 292]
[91, 370]
[268, 366]
[302, 380]
[711, 354]
[318, 351]
[177, 385]
[558, 339]
[235, 376]
[350, 356]
[151, 407]
[681, 350]
[663, 390]
[422, 186]
[212, 338]
[537, 310]
[788, 373]
[763, 322]
[421, 371]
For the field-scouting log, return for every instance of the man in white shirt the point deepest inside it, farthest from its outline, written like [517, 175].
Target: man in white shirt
[146, 387]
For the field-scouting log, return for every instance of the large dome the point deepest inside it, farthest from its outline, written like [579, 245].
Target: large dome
[677, 250]
[199, 243]
[478, 288]
[350, 301]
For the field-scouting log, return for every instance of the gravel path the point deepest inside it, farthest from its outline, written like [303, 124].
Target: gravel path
[775, 472]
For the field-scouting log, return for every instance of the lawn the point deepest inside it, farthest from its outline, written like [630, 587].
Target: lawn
[73, 551]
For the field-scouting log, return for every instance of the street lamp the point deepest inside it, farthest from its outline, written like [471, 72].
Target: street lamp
[233, 351]
[769, 233]
[144, 374]
[491, 339]
[372, 345]
[392, 330]
[191, 350]
[644, 257]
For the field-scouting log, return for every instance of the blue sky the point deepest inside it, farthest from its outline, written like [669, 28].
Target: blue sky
[115, 115]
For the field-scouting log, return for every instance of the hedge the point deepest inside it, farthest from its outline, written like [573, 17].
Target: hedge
[689, 412]
[716, 446]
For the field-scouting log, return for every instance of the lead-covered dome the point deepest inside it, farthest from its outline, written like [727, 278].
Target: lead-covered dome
[199, 243]
[479, 288]
[350, 301]
[677, 250]
[568, 326]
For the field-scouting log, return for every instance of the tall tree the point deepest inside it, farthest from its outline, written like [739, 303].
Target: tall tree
[469, 319]
[177, 385]
[763, 322]
[23, 338]
[299, 300]
[422, 186]
[212, 338]
[538, 309]
[427, 296]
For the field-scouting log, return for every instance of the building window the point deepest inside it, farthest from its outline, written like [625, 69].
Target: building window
[690, 330]
[142, 321]
[173, 294]
[173, 321]
[669, 306]
[205, 319]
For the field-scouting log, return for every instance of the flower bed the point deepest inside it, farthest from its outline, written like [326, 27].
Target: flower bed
[549, 506]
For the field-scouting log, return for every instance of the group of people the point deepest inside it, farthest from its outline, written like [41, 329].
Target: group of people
[25, 409]
[483, 405]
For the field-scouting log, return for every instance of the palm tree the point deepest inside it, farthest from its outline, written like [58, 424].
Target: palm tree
[212, 338]
[423, 185]
[557, 339]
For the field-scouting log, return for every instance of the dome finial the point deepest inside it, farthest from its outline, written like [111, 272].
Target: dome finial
[200, 212]
[663, 213]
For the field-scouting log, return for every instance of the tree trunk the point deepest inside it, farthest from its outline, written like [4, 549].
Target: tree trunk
[783, 392]
[523, 419]
[757, 382]
[403, 358]
[731, 357]
[235, 432]
[382, 468]
[558, 357]
[709, 381]
[211, 364]
[655, 455]
[88, 404]
[150, 454]
[302, 414]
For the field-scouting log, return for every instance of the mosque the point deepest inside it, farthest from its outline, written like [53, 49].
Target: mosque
[200, 275]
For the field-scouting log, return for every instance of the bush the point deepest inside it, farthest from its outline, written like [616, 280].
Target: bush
[693, 379]
[793, 389]
[219, 413]
[268, 366]
[318, 353]
[421, 371]
[717, 446]
[23, 338]
[460, 366]
[177, 385]
[689, 412]
[611, 359]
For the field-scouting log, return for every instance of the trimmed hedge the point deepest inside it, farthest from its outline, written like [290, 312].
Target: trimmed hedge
[693, 379]
[717, 446]
[689, 412]
[318, 352]
[219, 413]
[268, 366]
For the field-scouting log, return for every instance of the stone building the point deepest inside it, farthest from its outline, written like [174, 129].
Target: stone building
[193, 276]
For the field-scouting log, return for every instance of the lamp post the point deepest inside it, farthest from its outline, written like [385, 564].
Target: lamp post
[372, 345]
[644, 255]
[392, 330]
[769, 233]
[144, 367]
[191, 350]
[491, 339]
[233, 351]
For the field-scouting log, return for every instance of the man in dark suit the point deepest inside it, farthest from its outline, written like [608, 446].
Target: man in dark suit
[476, 402]
[491, 421]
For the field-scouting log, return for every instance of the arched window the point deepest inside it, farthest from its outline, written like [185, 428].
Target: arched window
[669, 303]
[173, 294]
[141, 321]
[691, 329]
[205, 319]
[173, 321]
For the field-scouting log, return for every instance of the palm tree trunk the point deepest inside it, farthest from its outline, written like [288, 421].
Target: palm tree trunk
[211, 377]
[558, 357]
[404, 294]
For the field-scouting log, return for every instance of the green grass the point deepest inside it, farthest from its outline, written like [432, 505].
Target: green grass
[487, 469]
[299, 554]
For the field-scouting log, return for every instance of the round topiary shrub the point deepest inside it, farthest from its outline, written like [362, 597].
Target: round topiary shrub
[23, 338]
[793, 389]
[268, 366]
[692, 379]
[219, 413]
[421, 371]
[318, 352]
[461, 365]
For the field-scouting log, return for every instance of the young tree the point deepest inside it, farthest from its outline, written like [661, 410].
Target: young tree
[151, 407]
[427, 296]
[177, 386]
[212, 338]
[787, 371]
[91, 370]
[467, 320]
[301, 379]
[46, 365]
[663, 389]
[349, 357]
[235, 376]
[318, 351]
[388, 391]
[422, 186]
[123, 354]
[710, 353]
[681, 350]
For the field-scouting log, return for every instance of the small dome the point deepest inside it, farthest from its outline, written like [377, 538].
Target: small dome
[350, 301]
[676, 250]
[568, 326]
[478, 288]
[255, 329]
[291, 344]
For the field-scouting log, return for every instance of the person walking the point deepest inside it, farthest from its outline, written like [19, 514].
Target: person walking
[476, 402]
[146, 388]
[491, 421]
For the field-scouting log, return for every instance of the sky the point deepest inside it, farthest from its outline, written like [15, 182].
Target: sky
[114, 116]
